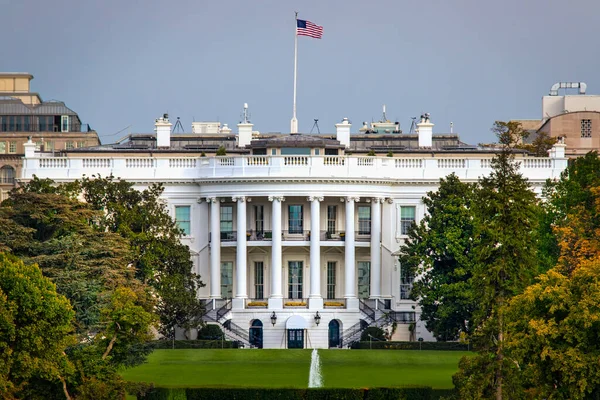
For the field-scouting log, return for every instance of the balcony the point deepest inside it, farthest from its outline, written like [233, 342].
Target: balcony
[337, 236]
[259, 236]
[285, 167]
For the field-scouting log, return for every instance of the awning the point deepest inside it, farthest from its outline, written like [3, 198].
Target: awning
[296, 322]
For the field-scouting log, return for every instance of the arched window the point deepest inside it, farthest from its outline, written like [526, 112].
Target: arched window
[7, 174]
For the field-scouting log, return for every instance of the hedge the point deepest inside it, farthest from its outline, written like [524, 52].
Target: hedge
[411, 346]
[196, 344]
[406, 393]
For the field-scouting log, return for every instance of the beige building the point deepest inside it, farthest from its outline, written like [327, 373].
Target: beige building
[574, 119]
[52, 126]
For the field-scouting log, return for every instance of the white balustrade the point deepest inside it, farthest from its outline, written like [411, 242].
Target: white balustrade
[139, 163]
[182, 162]
[408, 163]
[486, 163]
[366, 161]
[451, 163]
[537, 163]
[53, 163]
[257, 160]
[334, 160]
[295, 160]
[96, 163]
[226, 161]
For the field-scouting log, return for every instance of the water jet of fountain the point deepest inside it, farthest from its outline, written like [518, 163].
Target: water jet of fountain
[315, 379]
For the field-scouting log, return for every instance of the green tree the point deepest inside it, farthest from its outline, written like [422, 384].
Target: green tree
[35, 323]
[506, 225]
[159, 258]
[439, 250]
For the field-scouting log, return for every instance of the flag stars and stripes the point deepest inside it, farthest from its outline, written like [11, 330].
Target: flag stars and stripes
[307, 28]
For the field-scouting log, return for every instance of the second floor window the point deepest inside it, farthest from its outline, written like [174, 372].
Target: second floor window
[407, 218]
[331, 218]
[259, 214]
[182, 217]
[295, 219]
[364, 220]
[226, 219]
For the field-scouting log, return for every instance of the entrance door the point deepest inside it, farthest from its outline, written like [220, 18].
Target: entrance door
[295, 338]
[364, 279]
[334, 333]
[295, 279]
[256, 334]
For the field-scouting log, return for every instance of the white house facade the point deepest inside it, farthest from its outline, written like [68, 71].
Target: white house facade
[296, 239]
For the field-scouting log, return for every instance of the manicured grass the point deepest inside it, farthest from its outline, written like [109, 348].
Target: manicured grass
[290, 368]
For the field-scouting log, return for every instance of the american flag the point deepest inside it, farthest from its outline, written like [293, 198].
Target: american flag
[307, 28]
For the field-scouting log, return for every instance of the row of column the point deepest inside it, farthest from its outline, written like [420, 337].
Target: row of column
[276, 297]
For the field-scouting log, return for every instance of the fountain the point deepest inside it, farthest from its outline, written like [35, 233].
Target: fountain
[315, 379]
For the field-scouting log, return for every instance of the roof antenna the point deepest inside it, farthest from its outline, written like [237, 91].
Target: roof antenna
[245, 115]
[384, 118]
[413, 125]
[177, 126]
[316, 125]
[451, 127]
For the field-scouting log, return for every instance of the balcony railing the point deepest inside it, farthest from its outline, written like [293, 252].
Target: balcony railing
[258, 236]
[229, 236]
[294, 234]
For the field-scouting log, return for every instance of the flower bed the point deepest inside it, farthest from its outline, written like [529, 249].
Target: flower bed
[294, 304]
[258, 304]
[333, 304]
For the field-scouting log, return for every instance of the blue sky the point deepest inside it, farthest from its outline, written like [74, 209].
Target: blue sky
[122, 63]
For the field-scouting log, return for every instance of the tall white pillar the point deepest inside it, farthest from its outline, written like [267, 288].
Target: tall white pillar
[315, 300]
[241, 282]
[350, 267]
[376, 247]
[276, 297]
[215, 247]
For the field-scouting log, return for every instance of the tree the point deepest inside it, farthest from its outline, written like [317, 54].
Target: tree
[505, 255]
[439, 251]
[159, 258]
[221, 151]
[540, 145]
[35, 323]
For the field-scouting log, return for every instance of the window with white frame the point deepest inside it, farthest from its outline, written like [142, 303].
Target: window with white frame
[364, 220]
[259, 222]
[331, 218]
[295, 219]
[226, 221]
[406, 282]
[64, 123]
[407, 218]
[182, 218]
[2, 147]
[69, 145]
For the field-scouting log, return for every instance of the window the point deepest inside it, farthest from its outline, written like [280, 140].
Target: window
[364, 279]
[49, 146]
[295, 219]
[331, 218]
[2, 147]
[331, 280]
[295, 280]
[12, 122]
[64, 126]
[38, 145]
[586, 128]
[407, 219]
[12, 147]
[80, 144]
[406, 281]
[226, 220]
[259, 222]
[7, 174]
[182, 218]
[295, 151]
[364, 220]
[317, 152]
[27, 124]
[69, 145]
[273, 152]
[227, 280]
[259, 280]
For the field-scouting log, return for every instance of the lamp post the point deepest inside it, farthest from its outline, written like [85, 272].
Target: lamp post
[317, 318]
[273, 318]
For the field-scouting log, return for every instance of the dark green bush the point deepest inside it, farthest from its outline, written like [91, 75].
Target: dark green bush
[195, 344]
[210, 332]
[411, 345]
[407, 393]
[377, 333]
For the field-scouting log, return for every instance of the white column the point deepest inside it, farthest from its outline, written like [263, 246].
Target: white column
[215, 247]
[241, 290]
[350, 267]
[315, 300]
[276, 297]
[376, 247]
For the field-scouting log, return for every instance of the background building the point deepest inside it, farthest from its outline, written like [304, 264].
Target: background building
[52, 126]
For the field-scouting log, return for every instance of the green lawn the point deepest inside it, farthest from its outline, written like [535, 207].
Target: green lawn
[290, 368]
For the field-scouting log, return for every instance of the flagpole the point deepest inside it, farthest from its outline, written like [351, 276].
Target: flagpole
[294, 122]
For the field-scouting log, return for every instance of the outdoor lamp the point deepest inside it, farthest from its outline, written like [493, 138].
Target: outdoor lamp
[317, 318]
[273, 318]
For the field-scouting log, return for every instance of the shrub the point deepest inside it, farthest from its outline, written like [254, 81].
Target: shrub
[371, 153]
[375, 332]
[210, 332]
[196, 344]
[448, 346]
[390, 154]
[221, 151]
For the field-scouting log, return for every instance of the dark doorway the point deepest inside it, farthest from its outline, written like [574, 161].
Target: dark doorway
[334, 333]
[295, 338]
[256, 334]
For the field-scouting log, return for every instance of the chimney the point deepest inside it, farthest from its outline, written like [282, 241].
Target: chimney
[29, 148]
[425, 131]
[558, 150]
[245, 128]
[162, 127]
[342, 132]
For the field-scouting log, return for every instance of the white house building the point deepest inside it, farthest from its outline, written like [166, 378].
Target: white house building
[296, 236]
